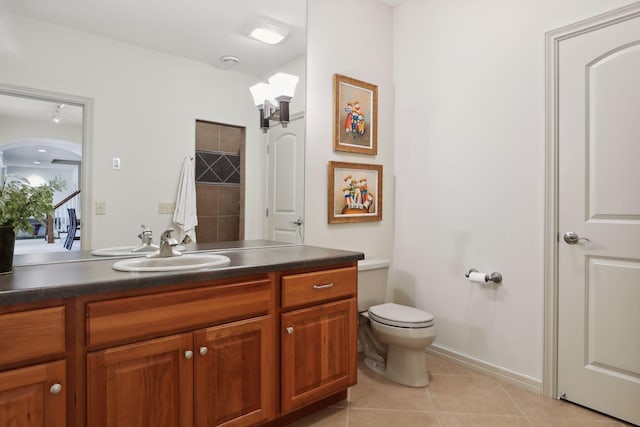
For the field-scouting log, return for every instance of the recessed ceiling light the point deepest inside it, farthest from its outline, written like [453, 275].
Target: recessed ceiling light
[56, 116]
[36, 162]
[268, 33]
[41, 150]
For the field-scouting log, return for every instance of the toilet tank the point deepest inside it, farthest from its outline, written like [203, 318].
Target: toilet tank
[372, 282]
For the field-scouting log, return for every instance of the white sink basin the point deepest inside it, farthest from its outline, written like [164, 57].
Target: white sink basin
[128, 250]
[176, 263]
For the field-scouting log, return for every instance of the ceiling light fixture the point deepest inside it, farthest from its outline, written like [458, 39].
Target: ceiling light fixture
[268, 33]
[41, 150]
[273, 98]
[56, 117]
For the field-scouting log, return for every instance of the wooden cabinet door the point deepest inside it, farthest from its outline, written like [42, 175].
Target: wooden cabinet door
[29, 397]
[143, 384]
[318, 352]
[234, 373]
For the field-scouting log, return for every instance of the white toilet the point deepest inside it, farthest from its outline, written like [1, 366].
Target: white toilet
[393, 337]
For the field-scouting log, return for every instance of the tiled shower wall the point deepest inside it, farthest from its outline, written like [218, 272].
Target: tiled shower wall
[219, 182]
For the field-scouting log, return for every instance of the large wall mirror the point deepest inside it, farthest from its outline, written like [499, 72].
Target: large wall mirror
[128, 84]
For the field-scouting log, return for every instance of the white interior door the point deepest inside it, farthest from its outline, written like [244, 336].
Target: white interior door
[599, 201]
[285, 190]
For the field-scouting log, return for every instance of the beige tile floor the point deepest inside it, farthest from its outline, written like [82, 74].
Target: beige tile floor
[456, 397]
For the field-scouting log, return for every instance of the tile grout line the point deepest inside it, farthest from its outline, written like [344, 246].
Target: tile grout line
[435, 410]
[414, 411]
[515, 403]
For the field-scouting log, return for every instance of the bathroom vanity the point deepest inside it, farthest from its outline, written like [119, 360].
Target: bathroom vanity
[262, 341]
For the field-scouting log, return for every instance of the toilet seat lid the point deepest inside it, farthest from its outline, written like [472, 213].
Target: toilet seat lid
[400, 315]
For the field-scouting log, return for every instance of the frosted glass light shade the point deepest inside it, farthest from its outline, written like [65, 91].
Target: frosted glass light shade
[284, 84]
[261, 92]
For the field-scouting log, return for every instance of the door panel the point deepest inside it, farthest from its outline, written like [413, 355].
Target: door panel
[607, 330]
[286, 183]
[319, 345]
[144, 384]
[599, 200]
[235, 376]
[613, 128]
[26, 399]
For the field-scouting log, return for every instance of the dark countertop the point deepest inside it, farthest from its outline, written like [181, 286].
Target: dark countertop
[86, 274]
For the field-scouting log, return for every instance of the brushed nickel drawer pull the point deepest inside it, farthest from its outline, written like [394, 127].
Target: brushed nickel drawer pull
[327, 286]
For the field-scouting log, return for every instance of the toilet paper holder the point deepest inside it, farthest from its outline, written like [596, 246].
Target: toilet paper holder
[494, 277]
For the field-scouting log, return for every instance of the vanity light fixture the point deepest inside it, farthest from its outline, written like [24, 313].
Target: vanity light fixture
[56, 117]
[268, 33]
[273, 98]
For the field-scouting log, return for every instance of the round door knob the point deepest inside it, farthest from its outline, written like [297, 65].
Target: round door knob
[55, 389]
[572, 238]
[289, 329]
[188, 354]
[204, 350]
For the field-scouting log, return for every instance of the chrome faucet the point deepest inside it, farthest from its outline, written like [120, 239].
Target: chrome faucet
[167, 243]
[146, 237]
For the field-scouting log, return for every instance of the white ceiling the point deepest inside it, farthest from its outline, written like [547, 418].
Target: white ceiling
[202, 30]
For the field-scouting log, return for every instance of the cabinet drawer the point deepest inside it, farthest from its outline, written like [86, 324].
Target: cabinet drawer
[144, 316]
[318, 286]
[29, 334]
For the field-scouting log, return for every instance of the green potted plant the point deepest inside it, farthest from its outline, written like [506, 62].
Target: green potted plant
[19, 202]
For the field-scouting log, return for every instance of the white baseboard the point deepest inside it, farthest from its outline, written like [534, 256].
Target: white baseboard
[502, 374]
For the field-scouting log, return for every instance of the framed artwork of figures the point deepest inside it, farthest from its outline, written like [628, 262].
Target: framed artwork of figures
[355, 116]
[355, 192]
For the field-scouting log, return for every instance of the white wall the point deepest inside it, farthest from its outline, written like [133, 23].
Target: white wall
[470, 161]
[145, 107]
[352, 38]
[41, 175]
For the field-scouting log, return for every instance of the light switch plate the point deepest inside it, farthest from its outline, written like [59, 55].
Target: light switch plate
[166, 207]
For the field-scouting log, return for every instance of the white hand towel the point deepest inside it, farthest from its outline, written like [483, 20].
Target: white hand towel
[186, 215]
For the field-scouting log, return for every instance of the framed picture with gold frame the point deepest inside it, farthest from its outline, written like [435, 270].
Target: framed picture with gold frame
[355, 192]
[355, 127]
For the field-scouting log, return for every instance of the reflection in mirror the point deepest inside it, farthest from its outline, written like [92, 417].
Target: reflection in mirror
[41, 140]
[147, 96]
